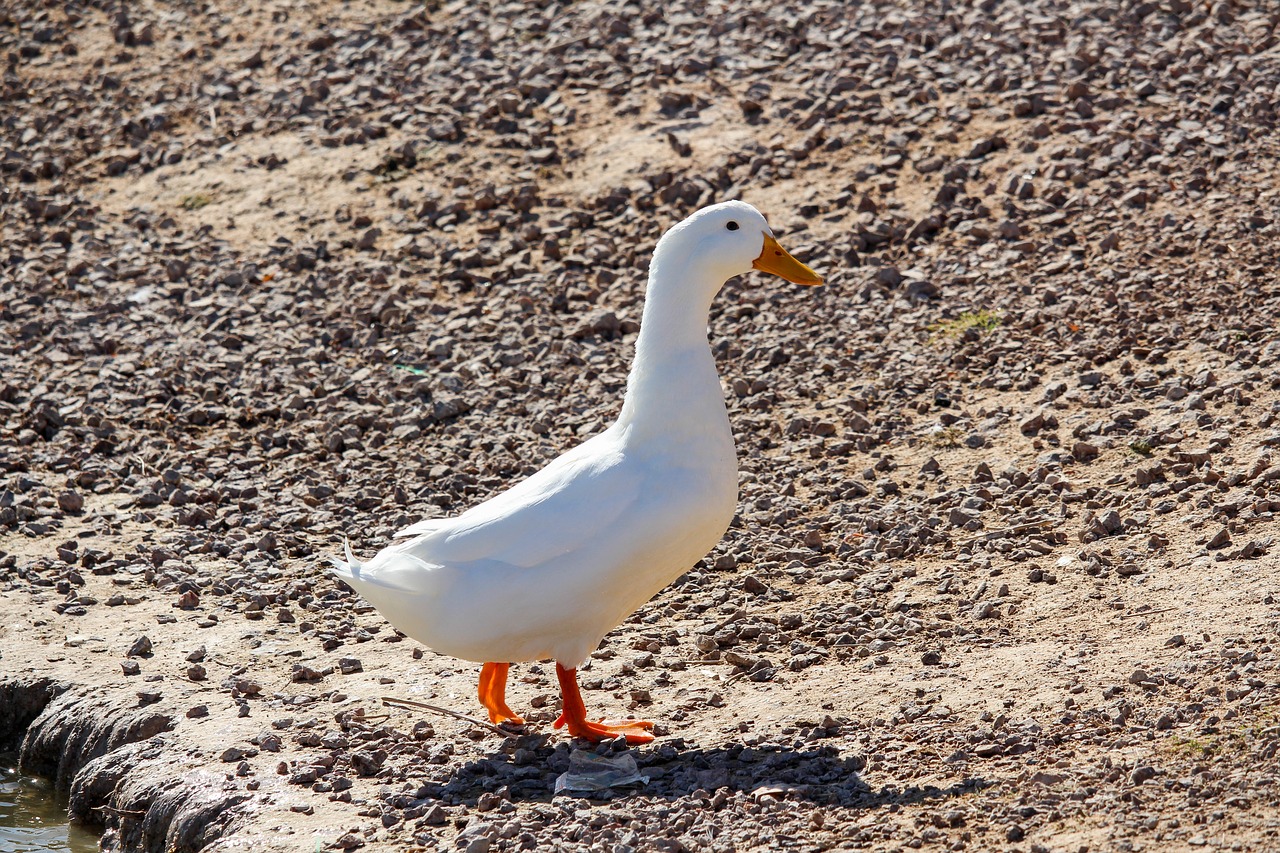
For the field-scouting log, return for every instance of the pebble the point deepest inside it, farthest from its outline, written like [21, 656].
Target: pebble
[140, 647]
[1220, 539]
[70, 502]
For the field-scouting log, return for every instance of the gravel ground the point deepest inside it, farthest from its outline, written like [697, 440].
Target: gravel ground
[1004, 572]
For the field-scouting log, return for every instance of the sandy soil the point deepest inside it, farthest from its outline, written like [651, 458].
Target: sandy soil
[1005, 568]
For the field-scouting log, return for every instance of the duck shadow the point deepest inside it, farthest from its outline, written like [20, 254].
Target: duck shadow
[820, 776]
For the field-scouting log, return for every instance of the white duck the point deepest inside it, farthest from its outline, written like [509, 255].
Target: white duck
[547, 568]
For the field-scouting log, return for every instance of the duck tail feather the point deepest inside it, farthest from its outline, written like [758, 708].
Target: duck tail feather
[347, 568]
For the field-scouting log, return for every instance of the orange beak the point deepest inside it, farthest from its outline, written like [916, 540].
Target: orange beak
[775, 259]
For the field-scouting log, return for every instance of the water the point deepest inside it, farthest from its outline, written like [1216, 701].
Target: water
[31, 818]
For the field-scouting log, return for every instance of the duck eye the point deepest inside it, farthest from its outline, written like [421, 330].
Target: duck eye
[731, 225]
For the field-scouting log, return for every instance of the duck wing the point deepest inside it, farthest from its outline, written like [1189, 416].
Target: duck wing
[576, 499]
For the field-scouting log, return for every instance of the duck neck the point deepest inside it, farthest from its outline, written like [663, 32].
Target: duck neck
[673, 386]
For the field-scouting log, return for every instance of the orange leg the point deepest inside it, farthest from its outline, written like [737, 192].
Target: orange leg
[493, 693]
[574, 715]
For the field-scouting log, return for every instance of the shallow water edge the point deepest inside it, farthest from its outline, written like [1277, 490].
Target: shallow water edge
[33, 819]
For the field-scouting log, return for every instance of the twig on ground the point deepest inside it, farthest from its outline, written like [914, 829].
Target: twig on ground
[408, 703]
[1146, 612]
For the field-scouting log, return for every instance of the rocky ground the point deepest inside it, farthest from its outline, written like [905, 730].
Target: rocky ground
[1005, 569]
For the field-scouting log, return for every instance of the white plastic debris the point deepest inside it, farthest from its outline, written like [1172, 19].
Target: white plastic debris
[589, 773]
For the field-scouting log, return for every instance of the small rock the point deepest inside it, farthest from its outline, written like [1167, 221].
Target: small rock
[1083, 450]
[985, 146]
[140, 647]
[302, 776]
[302, 673]
[70, 502]
[1145, 475]
[368, 239]
[235, 753]
[488, 802]
[247, 687]
[1221, 539]
[1032, 424]
[368, 763]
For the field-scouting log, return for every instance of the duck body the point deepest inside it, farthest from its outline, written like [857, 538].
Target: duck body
[545, 569]
[589, 539]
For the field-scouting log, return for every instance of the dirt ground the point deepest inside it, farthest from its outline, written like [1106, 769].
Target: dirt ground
[1005, 569]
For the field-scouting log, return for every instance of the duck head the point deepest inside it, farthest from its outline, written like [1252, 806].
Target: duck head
[729, 239]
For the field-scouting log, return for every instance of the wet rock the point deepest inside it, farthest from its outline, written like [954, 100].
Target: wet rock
[75, 729]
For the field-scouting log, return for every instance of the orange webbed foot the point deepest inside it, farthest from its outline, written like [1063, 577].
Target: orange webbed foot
[493, 694]
[635, 731]
[574, 716]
